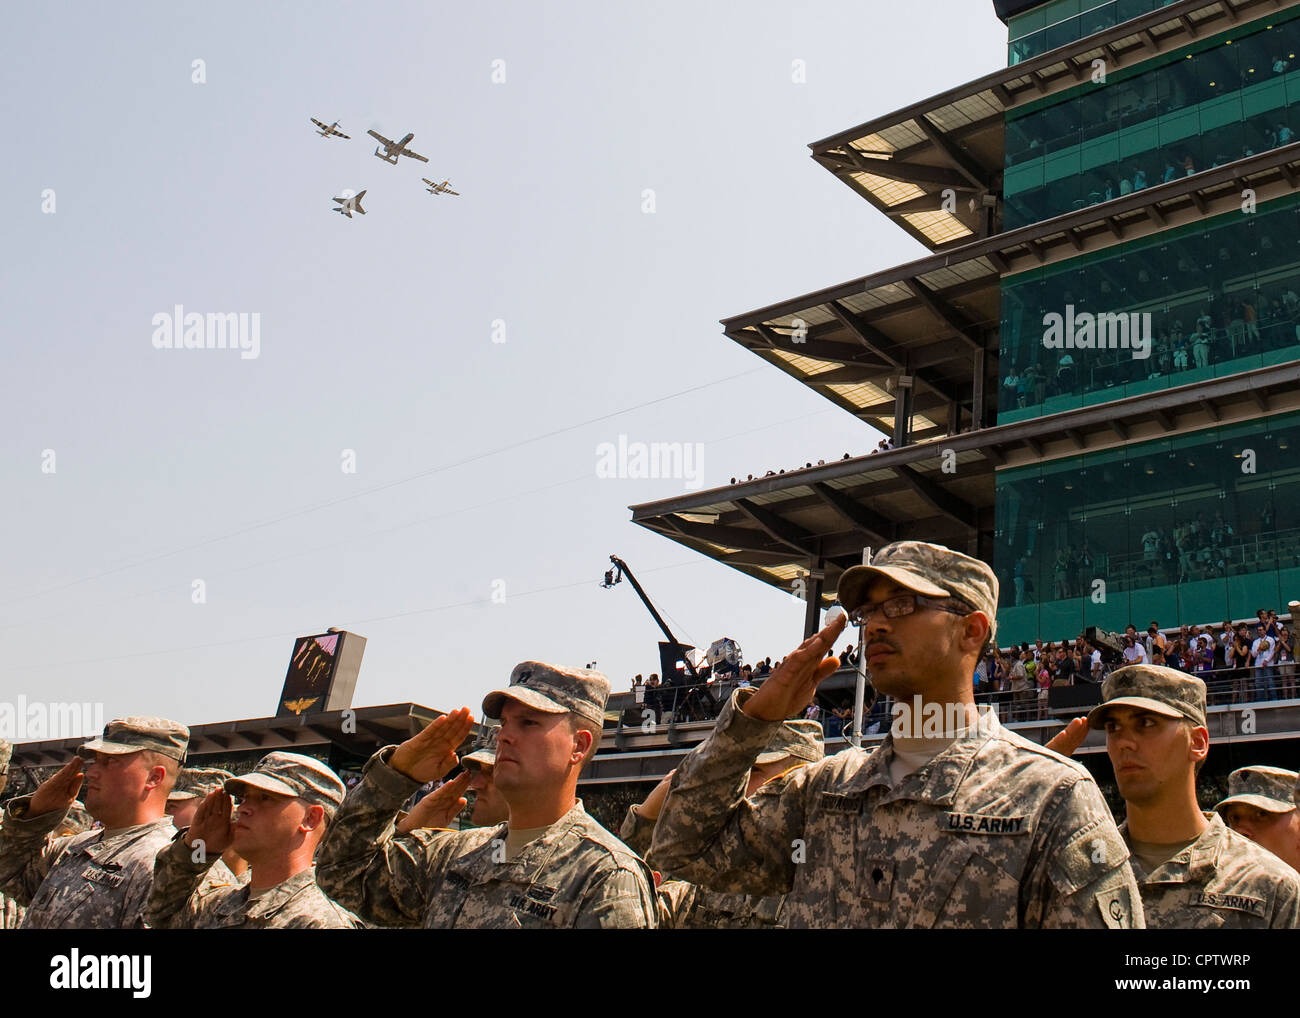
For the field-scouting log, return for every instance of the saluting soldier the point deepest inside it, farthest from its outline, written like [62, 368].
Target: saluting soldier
[689, 906]
[192, 787]
[285, 804]
[961, 824]
[550, 865]
[1194, 872]
[98, 879]
[1261, 805]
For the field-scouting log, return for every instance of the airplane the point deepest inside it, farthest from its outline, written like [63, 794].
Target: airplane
[327, 129]
[442, 188]
[393, 149]
[349, 205]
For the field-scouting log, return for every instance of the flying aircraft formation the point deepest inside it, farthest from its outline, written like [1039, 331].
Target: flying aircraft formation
[389, 151]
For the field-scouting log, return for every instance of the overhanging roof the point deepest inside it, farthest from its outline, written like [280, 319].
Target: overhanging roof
[776, 528]
[367, 730]
[930, 317]
[903, 161]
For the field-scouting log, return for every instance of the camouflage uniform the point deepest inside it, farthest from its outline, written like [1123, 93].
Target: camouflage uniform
[176, 904]
[686, 906]
[994, 832]
[11, 913]
[97, 879]
[1222, 880]
[184, 897]
[575, 875]
[196, 783]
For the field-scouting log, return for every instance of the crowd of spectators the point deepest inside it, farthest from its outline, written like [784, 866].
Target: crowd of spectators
[1240, 662]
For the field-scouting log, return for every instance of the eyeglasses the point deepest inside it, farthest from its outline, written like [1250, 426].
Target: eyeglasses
[904, 604]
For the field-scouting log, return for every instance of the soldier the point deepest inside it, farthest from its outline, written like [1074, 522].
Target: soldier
[98, 879]
[437, 809]
[549, 866]
[192, 787]
[11, 913]
[1194, 872]
[1260, 807]
[690, 906]
[955, 824]
[286, 802]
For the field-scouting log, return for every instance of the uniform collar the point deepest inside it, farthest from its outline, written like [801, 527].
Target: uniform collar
[270, 902]
[1197, 863]
[937, 782]
[482, 864]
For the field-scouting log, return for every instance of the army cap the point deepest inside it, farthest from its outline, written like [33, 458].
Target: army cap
[197, 782]
[1156, 688]
[799, 739]
[292, 774]
[928, 569]
[485, 749]
[133, 734]
[1269, 788]
[553, 689]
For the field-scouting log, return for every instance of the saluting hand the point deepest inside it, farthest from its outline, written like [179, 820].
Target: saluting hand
[431, 753]
[1069, 738]
[790, 688]
[439, 807]
[212, 824]
[59, 791]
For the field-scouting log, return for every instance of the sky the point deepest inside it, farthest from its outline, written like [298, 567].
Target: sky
[412, 453]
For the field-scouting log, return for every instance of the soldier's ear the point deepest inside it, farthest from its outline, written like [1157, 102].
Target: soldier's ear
[313, 819]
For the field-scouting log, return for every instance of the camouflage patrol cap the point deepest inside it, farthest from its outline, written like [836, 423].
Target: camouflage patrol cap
[799, 739]
[292, 774]
[133, 734]
[1160, 690]
[484, 753]
[928, 569]
[553, 689]
[1269, 788]
[197, 782]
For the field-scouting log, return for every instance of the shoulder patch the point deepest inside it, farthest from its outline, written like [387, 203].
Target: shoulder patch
[1116, 908]
[1092, 853]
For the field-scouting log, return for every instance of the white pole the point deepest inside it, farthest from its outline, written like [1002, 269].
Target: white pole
[860, 693]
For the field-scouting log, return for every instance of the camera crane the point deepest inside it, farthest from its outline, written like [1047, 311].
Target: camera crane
[615, 575]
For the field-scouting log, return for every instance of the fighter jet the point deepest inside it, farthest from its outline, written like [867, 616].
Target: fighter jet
[393, 149]
[349, 205]
[443, 188]
[327, 129]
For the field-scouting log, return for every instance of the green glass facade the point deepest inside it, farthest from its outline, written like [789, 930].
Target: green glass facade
[1217, 101]
[1065, 21]
[1195, 529]
[1223, 296]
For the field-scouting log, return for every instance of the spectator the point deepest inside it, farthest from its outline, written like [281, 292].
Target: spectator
[1241, 685]
[1154, 639]
[1262, 651]
[1134, 652]
[1019, 683]
[849, 657]
[1284, 662]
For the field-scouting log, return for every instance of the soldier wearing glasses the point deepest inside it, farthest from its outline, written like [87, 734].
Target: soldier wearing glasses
[961, 825]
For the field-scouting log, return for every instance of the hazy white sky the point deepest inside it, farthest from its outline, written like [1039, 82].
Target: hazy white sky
[172, 466]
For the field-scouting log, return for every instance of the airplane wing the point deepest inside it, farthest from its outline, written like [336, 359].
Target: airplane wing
[428, 181]
[386, 142]
[340, 134]
[415, 155]
[317, 122]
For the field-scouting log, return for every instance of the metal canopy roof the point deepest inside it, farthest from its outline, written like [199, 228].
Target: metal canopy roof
[375, 727]
[935, 317]
[776, 529]
[902, 162]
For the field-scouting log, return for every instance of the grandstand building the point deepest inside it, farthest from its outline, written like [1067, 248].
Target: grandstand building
[1091, 380]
